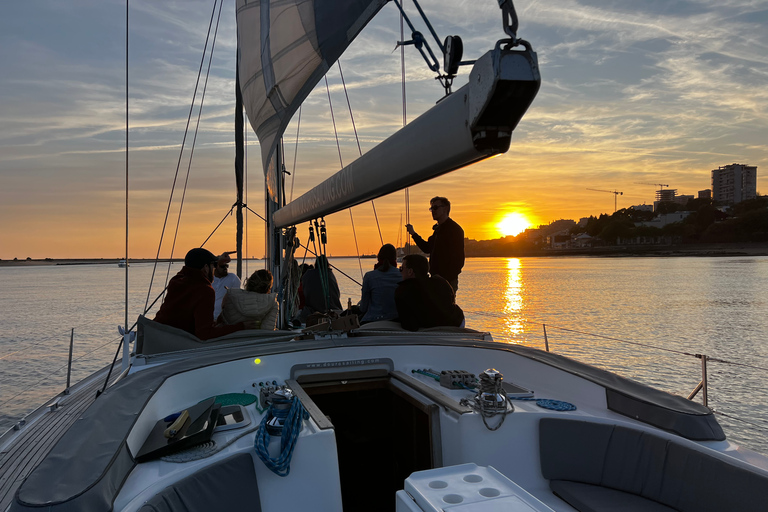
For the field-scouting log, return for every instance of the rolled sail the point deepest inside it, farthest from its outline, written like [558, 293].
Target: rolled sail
[285, 48]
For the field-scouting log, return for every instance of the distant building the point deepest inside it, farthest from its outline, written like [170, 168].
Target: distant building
[734, 183]
[705, 194]
[682, 199]
[643, 207]
[662, 220]
[582, 240]
[664, 196]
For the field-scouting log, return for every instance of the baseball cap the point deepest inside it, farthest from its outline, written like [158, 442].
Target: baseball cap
[198, 258]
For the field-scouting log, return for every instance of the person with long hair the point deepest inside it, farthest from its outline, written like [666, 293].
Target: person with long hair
[321, 290]
[255, 303]
[378, 296]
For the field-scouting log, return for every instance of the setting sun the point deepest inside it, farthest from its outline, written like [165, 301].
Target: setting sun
[513, 224]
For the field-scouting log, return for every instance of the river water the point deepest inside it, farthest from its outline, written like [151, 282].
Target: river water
[643, 318]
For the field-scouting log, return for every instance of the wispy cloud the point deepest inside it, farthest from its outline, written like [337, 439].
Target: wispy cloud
[660, 89]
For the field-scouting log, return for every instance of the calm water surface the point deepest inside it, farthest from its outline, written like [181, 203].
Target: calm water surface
[643, 318]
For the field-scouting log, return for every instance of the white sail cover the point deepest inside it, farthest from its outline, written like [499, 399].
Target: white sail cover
[285, 48]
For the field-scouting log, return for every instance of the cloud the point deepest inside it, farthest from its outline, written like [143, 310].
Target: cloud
[661, 89]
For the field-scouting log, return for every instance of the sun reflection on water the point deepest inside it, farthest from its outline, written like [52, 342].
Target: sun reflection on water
[514, 299]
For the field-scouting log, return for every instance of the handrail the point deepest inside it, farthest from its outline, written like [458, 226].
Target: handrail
[702, 386]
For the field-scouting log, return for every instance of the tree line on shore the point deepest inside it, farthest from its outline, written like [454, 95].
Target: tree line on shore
[706, 223]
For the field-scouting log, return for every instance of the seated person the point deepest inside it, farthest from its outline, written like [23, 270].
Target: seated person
[378, 297]
[321, 290]
[254, 303]
[189, 299]
[424, 301]
[223, 280]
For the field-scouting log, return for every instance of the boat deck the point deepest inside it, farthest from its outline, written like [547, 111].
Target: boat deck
[41, 433]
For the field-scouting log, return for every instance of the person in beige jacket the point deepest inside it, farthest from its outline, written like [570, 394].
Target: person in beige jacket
[254, 303]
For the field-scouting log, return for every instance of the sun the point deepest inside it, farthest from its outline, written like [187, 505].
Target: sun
[513, 224]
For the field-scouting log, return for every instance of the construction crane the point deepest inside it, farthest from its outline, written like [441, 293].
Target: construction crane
[661, 194]
[660, 185]
[615, 193]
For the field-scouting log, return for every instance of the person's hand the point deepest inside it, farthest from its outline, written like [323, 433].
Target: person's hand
[410, 229]
[251, 324]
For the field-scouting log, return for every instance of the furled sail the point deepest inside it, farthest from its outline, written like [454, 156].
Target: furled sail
[285, 48]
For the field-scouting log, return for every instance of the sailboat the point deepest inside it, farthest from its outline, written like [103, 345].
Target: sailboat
[378, 418]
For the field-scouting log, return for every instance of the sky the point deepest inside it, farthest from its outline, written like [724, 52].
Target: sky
[634, 94]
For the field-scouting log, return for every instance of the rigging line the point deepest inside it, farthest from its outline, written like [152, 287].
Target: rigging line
[313, 253]
[357, 249]
[623, 341]
[126, 165]
[744, 365]
[407, 192]
[349, 105]
[698, 356]
[245, 186]
[181, 153]
[341, 163]
[333, 119]
[218, 225]
[54, 337]
[36, 384]
[253, 212]
[322, 267]
[758, 425]
[295, 153]
[359, 150]
[194, 143]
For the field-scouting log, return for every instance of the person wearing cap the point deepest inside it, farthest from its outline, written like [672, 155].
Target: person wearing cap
[223, 281]
[189, 299]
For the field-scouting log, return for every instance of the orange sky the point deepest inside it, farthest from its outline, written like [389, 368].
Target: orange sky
[629, 95]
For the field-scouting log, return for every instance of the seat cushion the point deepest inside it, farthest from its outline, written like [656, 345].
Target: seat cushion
[229, 484]
[594, 498]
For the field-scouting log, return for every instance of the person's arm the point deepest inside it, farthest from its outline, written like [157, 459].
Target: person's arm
[425, 245]
[270, 320]
[203, 313]
[365, 296]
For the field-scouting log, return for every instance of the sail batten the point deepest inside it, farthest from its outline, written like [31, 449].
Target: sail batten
[285, 48]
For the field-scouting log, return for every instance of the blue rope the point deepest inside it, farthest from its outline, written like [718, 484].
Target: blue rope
[426, 373]
[548, 403]
[291, 419]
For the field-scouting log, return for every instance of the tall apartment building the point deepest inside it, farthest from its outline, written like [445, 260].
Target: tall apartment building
[734, 183]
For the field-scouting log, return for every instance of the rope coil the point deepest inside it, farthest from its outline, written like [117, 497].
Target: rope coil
[289, 412]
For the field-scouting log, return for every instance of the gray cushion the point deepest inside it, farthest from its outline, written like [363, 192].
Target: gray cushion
[640, 464]
[156, 338]
[229, 484]
[595, 498]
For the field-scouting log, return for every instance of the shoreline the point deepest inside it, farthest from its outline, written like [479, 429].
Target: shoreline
[683, 250]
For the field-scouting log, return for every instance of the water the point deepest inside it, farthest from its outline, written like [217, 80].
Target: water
[643, 318]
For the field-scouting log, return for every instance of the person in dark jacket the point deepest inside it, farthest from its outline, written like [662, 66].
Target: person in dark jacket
[189, 300]
[320, 288]
[446, 245]
[424, 301]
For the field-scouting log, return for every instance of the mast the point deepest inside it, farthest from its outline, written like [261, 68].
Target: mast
[274, 200]
[239, 157]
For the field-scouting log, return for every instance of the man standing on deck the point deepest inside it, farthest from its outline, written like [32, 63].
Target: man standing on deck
[188, 303]
[446, 245]
[223, 281]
